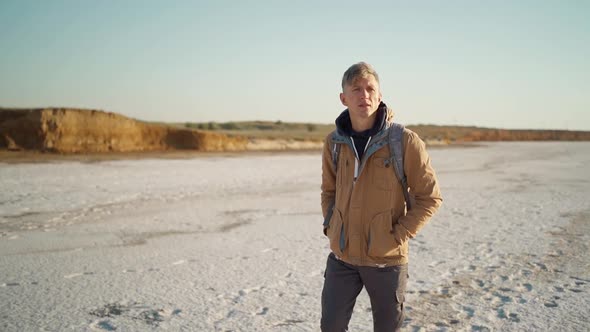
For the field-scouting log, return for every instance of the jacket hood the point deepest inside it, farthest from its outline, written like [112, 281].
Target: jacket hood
[384, 120]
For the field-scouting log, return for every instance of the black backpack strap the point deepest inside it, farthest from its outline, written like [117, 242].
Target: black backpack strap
[396, 148]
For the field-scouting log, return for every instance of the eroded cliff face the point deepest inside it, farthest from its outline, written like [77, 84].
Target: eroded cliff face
[82, 131]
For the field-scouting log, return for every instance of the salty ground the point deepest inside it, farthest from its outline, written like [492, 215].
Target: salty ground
[235, 243]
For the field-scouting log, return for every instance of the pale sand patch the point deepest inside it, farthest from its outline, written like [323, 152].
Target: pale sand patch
[282, 144]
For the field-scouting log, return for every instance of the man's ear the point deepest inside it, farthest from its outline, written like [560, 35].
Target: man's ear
[343, 99]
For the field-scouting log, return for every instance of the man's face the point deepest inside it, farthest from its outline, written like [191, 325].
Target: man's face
[362, 97]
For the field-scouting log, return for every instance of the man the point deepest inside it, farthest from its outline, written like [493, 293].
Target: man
[364, 206]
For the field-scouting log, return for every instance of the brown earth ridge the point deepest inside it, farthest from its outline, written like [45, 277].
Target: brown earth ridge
[67, 131]
[80, 131]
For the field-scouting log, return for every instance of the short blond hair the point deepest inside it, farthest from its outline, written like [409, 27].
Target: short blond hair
[356, 71]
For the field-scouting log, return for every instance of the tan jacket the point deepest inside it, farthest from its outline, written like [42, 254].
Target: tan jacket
[368, 224]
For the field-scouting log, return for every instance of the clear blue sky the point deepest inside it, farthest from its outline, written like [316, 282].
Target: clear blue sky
[508, 64]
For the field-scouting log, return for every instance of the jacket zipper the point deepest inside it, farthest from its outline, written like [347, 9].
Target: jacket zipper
[357, 170]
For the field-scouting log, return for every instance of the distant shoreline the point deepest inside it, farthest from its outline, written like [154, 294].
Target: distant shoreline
[33, 157]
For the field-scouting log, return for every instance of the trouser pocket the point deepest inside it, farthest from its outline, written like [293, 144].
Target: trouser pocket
[386, 288]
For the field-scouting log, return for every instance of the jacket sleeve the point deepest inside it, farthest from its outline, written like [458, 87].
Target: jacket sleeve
[328, 179]
[423, 186]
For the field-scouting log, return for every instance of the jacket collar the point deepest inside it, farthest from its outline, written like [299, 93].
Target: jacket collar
[382, 123]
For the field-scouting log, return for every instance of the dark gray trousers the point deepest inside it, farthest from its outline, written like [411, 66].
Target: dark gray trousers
[343, 283]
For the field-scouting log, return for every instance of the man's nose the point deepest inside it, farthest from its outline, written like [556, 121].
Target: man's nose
[366, 93]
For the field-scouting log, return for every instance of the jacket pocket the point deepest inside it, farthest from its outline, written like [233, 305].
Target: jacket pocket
[380, 241]
[336, 233]
[383, 176]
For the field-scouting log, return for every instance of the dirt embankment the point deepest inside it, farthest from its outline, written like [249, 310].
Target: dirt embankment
[77, 131]
[85, 131]
[459, 134]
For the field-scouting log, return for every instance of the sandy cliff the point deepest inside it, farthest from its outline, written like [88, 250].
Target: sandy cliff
[81, 131]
